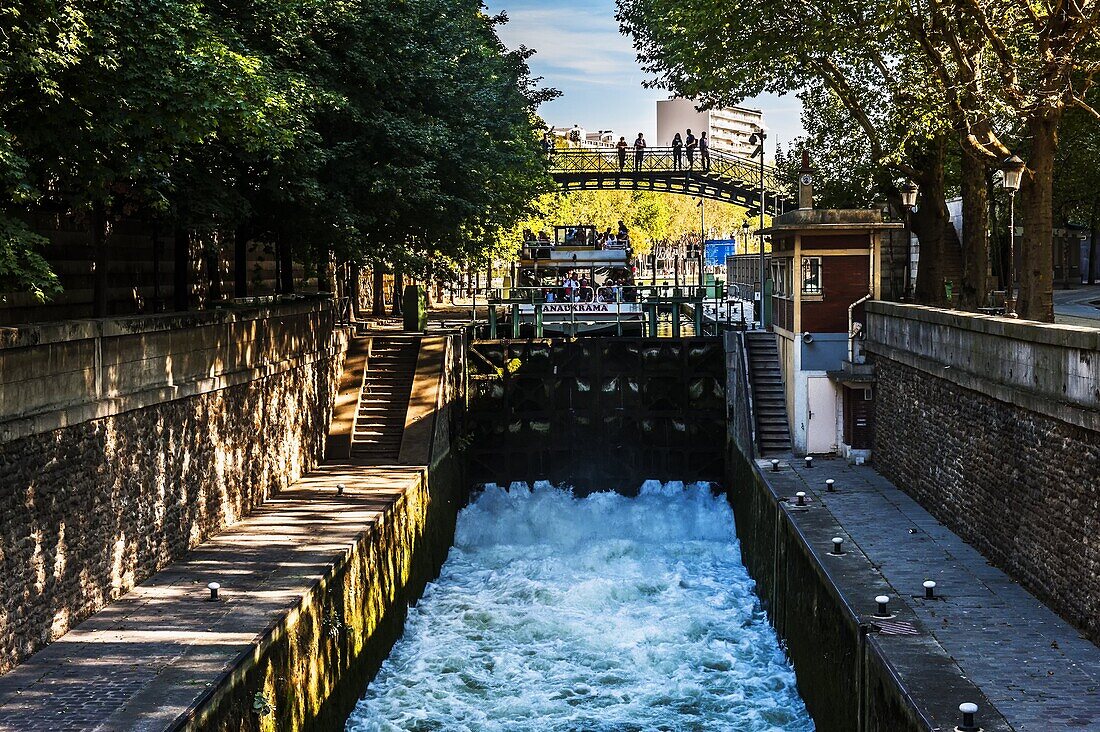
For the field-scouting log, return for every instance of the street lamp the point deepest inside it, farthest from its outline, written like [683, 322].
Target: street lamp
[909, 193]
[1012, 171]
[702, 240]
[758, 138]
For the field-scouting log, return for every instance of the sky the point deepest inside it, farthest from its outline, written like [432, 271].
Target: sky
[582, 54]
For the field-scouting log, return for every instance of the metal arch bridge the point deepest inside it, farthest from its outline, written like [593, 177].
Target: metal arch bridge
[731, 178]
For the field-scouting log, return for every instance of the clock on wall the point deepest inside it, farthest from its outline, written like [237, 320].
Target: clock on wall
[806, 179]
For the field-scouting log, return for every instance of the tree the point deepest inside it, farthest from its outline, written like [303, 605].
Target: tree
[653, 219]
[1027, 62]
[394, 132]
[1076, 189]
[868, 68]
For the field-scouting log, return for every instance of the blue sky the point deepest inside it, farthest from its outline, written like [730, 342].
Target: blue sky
[581, 52]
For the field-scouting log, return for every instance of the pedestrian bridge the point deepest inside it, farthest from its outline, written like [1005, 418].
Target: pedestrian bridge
[730, 178]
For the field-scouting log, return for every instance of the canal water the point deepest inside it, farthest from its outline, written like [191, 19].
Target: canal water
[607, 613]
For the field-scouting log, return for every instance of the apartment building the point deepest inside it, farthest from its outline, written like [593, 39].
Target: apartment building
[728, 129]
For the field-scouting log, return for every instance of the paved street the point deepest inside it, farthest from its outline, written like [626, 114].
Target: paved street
[1038, 671]
[1079, 306]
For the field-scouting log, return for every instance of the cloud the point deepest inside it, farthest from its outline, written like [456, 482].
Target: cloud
[572, 43]
[580, 51]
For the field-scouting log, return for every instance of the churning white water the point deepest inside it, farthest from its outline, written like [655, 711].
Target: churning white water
[605, 613]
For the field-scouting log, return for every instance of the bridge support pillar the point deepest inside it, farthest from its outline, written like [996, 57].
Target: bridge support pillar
[515, 321]
[538, 320]
[651, 319]
[492, 322]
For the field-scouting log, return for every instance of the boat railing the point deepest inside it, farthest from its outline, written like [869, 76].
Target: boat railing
[713, 308]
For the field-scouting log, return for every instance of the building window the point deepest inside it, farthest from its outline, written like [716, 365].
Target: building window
[811, 276]
[781, 278]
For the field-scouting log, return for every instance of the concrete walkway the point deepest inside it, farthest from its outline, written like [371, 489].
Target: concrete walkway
[147, 658]
[1035, 668]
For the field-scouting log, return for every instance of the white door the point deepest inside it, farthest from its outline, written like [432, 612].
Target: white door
[821, 422]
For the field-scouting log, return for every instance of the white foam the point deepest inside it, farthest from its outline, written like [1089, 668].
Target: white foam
[603, 613]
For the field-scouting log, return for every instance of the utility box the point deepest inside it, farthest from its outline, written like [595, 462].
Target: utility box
[414, 308]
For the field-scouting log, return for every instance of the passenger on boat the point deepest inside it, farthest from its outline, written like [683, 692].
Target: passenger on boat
[586, 290]
[569, 286]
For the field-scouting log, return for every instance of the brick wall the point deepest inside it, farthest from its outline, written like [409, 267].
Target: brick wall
[89, 509]
[967, 422]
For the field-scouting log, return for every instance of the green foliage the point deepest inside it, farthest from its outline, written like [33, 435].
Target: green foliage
[1076, 189]
[22, 268]
[261, 705]
[401, 131]
[651, 218]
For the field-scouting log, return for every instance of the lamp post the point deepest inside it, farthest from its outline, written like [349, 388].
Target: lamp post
[702, 240]
[909, 193]
[758, 138]
[1012, 171]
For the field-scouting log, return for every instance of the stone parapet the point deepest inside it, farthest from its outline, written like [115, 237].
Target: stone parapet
[1052, 370]
[60, 374]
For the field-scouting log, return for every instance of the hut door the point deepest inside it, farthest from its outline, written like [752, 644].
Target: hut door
[821, 425]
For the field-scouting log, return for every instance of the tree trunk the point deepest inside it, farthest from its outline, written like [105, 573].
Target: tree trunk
[286, 266]
[930, 222]
[398, 281]
[181, 272]
[326, 270]
[378, 307]
[975, 244]
[353, 289]
[240, 260]
[1037, 218]
[101, 261]
[1094, 233]
[212, 260]
[156, 268]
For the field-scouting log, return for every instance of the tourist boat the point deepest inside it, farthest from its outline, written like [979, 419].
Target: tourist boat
[607, 303]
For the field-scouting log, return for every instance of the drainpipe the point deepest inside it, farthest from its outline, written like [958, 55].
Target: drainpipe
[851, 327]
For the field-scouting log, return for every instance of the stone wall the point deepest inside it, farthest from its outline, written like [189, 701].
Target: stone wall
[739, 426]
[993, 425]
[313, 671]
[123, 443]
[850, 677]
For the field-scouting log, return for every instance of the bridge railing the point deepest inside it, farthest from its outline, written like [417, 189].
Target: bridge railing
[724, 166]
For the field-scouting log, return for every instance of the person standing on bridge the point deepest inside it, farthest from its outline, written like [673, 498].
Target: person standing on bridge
[704, 151]
[639, 152]
[621, 147]
[692, 143]
[677, 152]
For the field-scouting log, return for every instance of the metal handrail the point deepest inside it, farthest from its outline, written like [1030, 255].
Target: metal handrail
[532, 294]
[724, 167]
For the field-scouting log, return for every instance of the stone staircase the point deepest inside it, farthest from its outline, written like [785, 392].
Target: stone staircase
[773, 435]
[384, 399]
